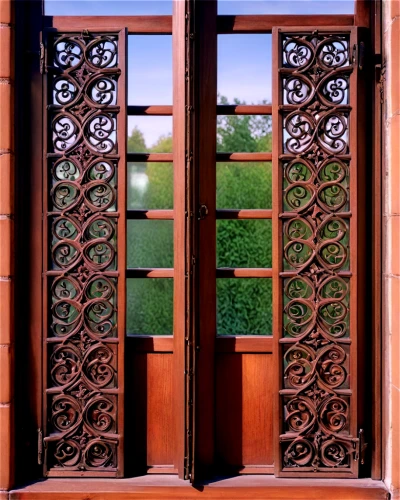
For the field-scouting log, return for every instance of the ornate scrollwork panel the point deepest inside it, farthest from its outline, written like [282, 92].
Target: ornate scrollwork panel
[82, 431]
[315, 74]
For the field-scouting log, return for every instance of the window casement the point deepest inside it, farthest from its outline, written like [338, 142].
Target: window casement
[287, 396]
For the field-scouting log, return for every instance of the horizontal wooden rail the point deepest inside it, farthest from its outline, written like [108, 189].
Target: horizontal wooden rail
[241, 109]
[265, 23]
[244, 343]
[151, 272]
[150, 214]
[225, 24]
[220, 157]
[224, 343]
[222, 109]
[244, 157]
[150, 110]
[147, 343]
[136, 24]
[149, 157]
[236, 272]
[244, 214]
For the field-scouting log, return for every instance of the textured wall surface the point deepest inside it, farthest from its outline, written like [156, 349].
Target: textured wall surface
[391, 244]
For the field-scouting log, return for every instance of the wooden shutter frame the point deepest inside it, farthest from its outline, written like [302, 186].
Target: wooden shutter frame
[79, 410]
[357, 269]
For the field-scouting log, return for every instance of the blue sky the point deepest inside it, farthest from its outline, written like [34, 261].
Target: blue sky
[244, 61]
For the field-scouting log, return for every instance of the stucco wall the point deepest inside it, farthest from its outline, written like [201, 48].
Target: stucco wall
[391, 245]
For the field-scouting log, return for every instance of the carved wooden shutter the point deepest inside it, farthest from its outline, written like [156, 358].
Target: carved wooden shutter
[84, 252]
[319, 285]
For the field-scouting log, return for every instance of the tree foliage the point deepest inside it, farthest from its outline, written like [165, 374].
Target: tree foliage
[244, 305]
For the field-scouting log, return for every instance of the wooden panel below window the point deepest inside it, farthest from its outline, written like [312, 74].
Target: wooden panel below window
[244, 412]
[150, 415]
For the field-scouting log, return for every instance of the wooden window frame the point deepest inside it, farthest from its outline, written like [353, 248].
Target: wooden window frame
[364, 16]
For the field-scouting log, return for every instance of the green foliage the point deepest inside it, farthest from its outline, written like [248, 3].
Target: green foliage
[244, 305]
[136, 142]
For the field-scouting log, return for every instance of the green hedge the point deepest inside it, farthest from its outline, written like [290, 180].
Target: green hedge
[244, 305]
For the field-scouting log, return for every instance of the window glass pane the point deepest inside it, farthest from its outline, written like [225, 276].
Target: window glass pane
[244, 185]
[149, 306]
[150, 186]
[150, 243]
[104, 8]
[149, 69]
[244, 243]
[285, 7]
[244, 306]
[150, 134]
[244, 134]
[244, 69]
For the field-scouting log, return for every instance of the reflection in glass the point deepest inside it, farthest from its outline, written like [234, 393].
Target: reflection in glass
[244, 185]
[150, 243]
[150, 134]
[150, 186]
[244, 134]
[244, 306]
[244, 243]
[152, 83]
[149, 304]
[244, 68]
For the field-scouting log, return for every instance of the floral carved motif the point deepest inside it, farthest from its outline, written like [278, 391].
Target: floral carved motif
[315, 166]
[81, 279]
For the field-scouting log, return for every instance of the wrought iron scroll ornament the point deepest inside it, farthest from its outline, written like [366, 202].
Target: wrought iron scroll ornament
[82, 159]
[315, 77]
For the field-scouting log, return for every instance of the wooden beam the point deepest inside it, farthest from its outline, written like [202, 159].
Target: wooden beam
[151, 272]
[241, 109]
[150, 110]
[236, 272]
[244, 214]
[179, 159]
[149, 157]
[265, 23]
[244, 343]
[150, 343]
[155, 25]
[150, 214]
[224, 157]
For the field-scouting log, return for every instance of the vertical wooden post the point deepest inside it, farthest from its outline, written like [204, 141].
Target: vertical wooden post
[206, 122]
[362, 13]
[179, 159]
[6, 244]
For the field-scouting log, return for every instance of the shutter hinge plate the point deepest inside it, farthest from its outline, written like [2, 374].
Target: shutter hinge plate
[42, 57]
[40, 446]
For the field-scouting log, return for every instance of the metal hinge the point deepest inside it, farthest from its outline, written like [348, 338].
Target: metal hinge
[361, 55]
[203, 212]
[40, 446]
[381, 81]
[42, 58]
[361, 447]
[358, 57]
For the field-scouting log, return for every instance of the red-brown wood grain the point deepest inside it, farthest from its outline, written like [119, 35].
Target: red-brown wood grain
[150, 409]
[244, 410]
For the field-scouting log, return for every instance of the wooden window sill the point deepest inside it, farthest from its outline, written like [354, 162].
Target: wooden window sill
[170, 487]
